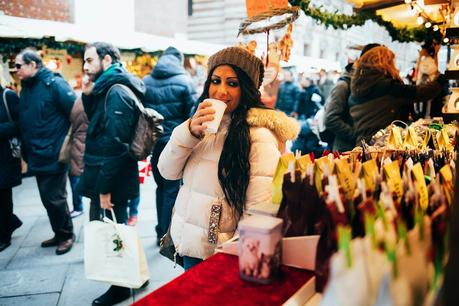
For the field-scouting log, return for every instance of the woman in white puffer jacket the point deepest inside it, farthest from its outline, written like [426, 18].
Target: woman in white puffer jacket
[228, 171]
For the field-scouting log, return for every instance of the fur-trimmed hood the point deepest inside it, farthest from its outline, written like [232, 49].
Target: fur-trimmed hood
[284, 127]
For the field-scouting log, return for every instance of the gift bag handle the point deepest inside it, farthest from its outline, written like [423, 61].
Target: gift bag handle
[107, 220]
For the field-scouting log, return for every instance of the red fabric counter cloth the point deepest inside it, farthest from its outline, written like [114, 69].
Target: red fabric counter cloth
[216, 282]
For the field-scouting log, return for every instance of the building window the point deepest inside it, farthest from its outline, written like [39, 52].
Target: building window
[190, 7]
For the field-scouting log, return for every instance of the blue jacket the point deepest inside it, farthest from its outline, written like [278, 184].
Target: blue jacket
[304, 106]
[287, 97]
[113, 117]
[170, 92]
[44, 111]
[10, 167]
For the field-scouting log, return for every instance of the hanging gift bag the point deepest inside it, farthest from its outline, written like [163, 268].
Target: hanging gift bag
[113, 253]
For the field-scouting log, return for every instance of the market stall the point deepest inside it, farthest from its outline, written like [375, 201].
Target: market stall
[382, 211]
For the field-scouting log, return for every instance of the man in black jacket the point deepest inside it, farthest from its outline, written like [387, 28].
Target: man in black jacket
[170, 91]
[110, 175]
[44, 111]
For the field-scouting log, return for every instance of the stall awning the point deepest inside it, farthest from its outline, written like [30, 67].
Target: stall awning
[15, 27]
[400, 13]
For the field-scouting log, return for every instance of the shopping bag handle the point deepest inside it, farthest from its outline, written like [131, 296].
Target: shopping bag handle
[107, 219]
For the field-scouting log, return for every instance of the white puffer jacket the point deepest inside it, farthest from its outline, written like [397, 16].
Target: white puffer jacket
[196, 162]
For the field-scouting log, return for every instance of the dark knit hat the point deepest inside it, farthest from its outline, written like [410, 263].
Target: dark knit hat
[240, 58]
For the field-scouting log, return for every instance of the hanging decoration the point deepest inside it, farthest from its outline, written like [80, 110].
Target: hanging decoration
[259, 21]
[342, 21]
[246, 27]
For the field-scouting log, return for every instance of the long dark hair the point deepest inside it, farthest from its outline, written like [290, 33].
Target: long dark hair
[234, 165]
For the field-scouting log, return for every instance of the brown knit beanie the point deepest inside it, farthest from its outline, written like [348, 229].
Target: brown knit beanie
[240, 58]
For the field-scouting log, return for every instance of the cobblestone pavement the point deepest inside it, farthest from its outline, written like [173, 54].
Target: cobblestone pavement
[32, 275]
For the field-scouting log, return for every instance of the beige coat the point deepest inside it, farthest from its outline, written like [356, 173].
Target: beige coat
[196, 162]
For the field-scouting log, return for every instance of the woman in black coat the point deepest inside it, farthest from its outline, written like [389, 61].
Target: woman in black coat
[10, 167]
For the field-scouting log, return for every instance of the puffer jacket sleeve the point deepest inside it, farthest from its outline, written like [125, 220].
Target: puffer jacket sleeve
[336, 109]
[264, 156]
[173, 158]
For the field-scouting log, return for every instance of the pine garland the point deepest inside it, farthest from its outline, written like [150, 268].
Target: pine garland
[10, 47]
[342, 21]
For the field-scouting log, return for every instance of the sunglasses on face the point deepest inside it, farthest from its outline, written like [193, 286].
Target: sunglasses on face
[18, 66]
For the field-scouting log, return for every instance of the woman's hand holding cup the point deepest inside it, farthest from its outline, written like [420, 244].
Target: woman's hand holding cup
[204, 114]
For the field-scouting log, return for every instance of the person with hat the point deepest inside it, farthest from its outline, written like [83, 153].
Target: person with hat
[223, 173]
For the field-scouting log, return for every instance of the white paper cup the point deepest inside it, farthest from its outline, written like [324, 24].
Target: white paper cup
[219, 107]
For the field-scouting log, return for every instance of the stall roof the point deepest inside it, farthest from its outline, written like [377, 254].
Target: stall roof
[400, 13]
[16, 27]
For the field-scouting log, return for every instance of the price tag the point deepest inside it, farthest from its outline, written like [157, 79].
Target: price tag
[369, 170]
[394, 180]
[421, 186]
[346, 179]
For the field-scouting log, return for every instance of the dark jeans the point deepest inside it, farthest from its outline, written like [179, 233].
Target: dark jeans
[120, 209]
[53, 195]
[190, 262]
[134, 207]
[8, 221]
[166, 192]
[77, 199]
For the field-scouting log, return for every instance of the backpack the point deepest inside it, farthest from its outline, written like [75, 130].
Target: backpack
[148, 128]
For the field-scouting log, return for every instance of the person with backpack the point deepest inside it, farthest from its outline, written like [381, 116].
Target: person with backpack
[110, 177]
[338, 121]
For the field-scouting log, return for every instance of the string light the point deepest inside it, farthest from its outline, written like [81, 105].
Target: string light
[420, 20]
[428, 25]
[435, 28]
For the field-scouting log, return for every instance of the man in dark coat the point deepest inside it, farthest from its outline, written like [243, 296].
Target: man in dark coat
[10, 166]
[287, 94]
[110, 177]
[170, 91]
[44, 110]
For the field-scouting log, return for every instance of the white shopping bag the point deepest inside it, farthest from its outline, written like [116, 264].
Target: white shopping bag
[113, 253]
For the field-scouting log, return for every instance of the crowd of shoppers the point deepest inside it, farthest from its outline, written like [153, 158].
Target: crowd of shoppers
[195, 172]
